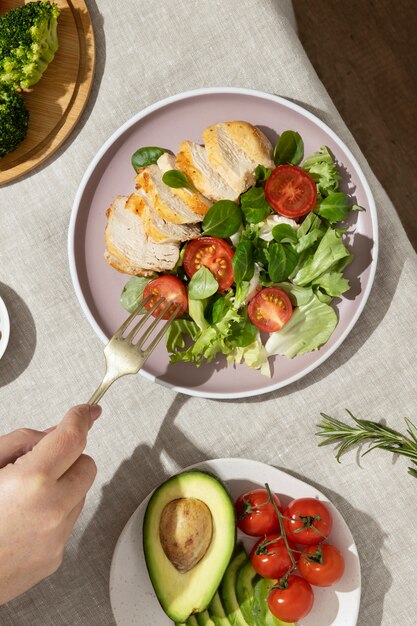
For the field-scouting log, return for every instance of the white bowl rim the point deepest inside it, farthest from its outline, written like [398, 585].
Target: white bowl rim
[4, 327]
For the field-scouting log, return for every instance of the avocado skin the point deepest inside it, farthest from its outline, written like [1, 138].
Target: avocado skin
[204, 619]
[216, 611]
[206, 575]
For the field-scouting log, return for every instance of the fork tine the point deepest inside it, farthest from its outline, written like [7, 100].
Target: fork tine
[162, 332]
[144, 319]
[131, 317]
[152, 326]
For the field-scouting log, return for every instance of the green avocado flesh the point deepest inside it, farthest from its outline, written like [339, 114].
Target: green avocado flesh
[242, 599]
[184, 593]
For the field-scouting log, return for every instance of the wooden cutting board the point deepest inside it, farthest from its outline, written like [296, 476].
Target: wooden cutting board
[56, 102]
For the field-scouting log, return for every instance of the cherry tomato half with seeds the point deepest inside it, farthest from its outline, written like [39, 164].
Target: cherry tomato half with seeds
[270, 309]
[215, 254]
[307, 521]
[170, 288]
[290, 191]
[321, 565]
[255, 513]
[270, 557]
[292, 603]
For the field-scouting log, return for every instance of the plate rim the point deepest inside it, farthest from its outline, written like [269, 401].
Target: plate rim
[254, 463]
[5, 329]
[196, 93]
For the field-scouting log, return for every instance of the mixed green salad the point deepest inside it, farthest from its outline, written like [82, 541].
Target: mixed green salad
[273, 262]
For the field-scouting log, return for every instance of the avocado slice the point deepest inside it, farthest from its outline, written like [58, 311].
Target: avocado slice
[204, 619]
[189, 536]
[216, 611]
[246, 579]
[260, 608]
[228, 589]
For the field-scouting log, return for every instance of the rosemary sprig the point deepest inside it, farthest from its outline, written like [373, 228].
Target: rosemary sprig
[366, 431]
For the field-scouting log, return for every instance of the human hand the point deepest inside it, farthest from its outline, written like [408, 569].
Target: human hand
[44, 478]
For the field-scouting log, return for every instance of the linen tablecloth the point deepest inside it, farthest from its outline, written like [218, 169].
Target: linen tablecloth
[146, 51]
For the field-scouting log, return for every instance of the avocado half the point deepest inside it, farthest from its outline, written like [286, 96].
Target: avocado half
[189, 535]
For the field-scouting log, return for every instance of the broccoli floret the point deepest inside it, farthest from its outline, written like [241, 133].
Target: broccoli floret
[28, 42]
[13, 120]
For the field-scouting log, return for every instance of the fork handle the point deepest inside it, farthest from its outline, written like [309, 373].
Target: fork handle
[101, 390]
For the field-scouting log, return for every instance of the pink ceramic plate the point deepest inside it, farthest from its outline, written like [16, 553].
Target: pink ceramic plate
[166, 124]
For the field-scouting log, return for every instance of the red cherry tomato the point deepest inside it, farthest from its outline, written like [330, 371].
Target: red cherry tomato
[255, 514]
[270, 309]
[309, 523]
[170, 288]
[291, 191]
[321, 565]
[215, 254]
[270, 557]
[294, 602]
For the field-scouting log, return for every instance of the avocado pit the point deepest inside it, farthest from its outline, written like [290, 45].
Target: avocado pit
[185, 532]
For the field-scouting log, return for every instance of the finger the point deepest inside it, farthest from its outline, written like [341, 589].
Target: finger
[17, 443]
[77, 480]
[59, 449]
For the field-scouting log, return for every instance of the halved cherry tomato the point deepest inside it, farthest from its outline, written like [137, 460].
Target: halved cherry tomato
[170, 288]
[307, 521]
[291, 191]
[292, 603]
[321, 565]
[255, 514]
[270, 309]
[215, 254]
[270, 557]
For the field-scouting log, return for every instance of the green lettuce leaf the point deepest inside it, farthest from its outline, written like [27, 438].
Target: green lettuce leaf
[323, 171]
[330, 250]
[310, 326]
[332, 283]
[254, 355]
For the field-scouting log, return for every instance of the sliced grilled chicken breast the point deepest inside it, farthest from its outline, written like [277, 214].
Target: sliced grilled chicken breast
[128, 248]
[234, 149]
[178, 206]
[157, 229]
[193, 161]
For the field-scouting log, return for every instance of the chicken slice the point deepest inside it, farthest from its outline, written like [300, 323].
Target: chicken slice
[157, 229]
[178, 206]
[234, 149]
[193, 161]
[128, 248]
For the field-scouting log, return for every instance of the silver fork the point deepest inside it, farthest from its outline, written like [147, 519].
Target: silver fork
[125, 357]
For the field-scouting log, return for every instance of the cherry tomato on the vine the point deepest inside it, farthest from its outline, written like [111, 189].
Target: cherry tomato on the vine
[270, 557]
[292, 603]
[307, 521]
[321, 565]
[255, 513]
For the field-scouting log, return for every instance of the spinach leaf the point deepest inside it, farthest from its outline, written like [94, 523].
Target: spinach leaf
[255, 208]
[289, 148]
[243, 262]
[146, 156]
[242, 333]
[177, 180]
[202, 285]
[262, 174]
[284, 233]
[282, 260]
[223, 219]
[335, 207]
[132, 292]
[219, 308]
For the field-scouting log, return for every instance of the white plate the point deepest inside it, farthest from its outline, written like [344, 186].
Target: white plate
[167, 123]
[131, 593]
[4, 327]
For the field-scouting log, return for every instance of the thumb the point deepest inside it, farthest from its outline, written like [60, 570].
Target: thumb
[17, 443]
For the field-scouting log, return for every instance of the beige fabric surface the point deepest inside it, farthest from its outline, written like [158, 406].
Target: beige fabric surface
[146, 51]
